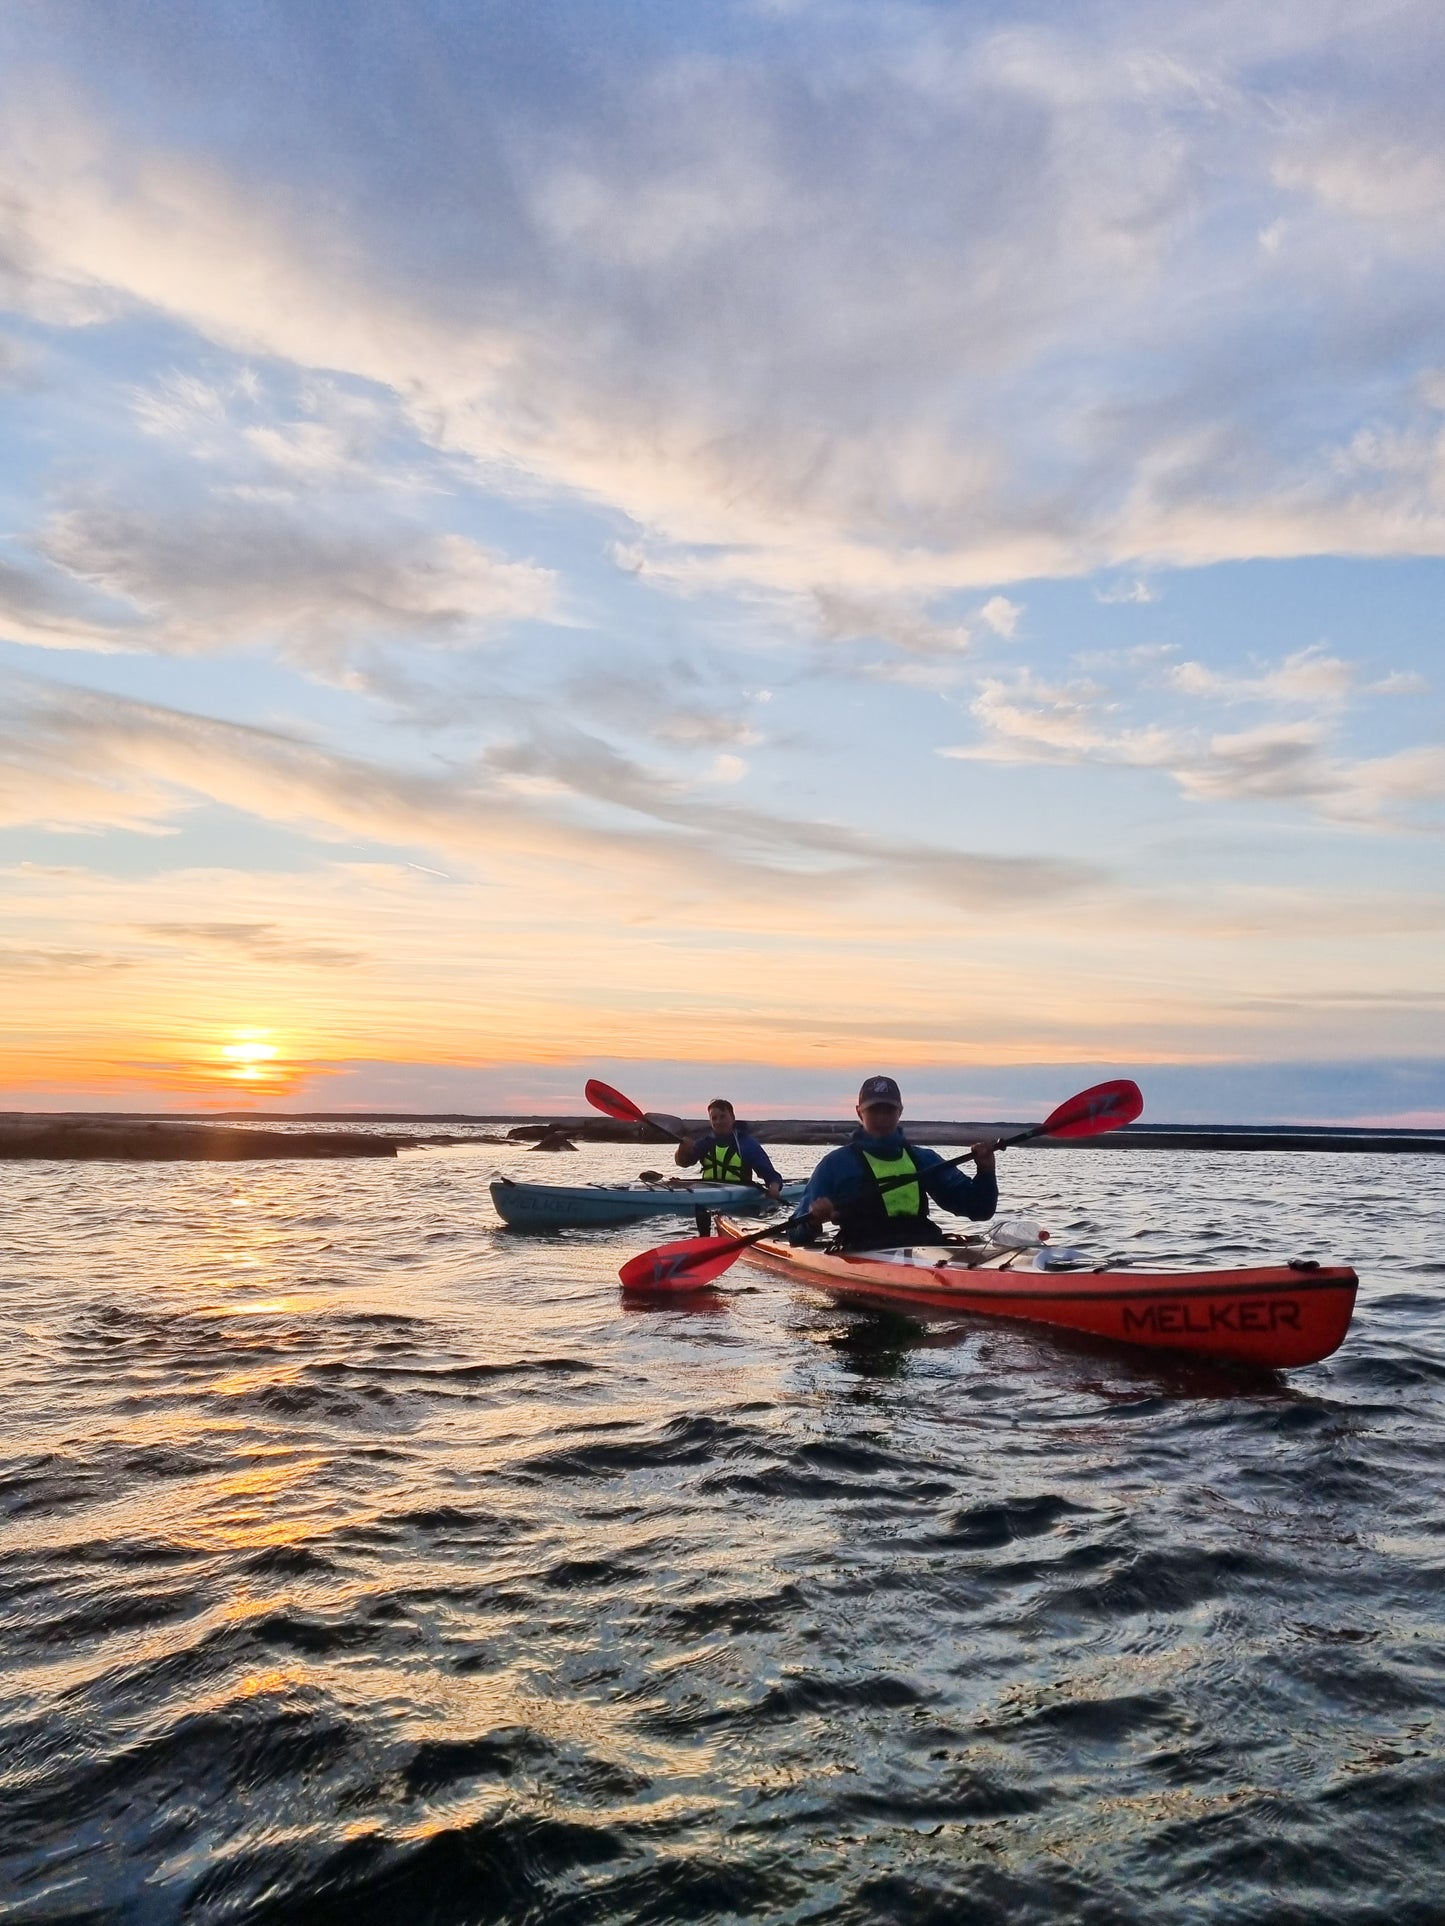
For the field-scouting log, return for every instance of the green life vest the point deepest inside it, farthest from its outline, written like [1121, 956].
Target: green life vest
[905, 1201]
[724, 1165]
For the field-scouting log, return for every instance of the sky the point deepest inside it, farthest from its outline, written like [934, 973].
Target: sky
[727, 548]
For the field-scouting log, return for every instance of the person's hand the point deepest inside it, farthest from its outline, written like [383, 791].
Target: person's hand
[775, 1188]
[821, 1209]
[982, 1152]
[684, 1150]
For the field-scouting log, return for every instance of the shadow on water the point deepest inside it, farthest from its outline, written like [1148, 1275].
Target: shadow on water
[878, 1343]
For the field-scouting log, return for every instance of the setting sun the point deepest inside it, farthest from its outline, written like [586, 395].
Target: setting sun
[249, 1052]
[250, 1059]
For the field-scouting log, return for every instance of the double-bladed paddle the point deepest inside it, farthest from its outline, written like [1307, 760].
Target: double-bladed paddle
[612, 1103]
[697, 1261]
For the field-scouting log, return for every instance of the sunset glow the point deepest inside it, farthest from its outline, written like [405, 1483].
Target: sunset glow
[782, 610]
[249, 1053]
[248, 1057]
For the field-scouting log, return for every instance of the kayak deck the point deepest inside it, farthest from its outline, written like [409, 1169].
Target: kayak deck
[1272, 1316]
[570, 1206]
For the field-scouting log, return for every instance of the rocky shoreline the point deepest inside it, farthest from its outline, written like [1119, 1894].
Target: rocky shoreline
[825, 1131]
[75, 1137]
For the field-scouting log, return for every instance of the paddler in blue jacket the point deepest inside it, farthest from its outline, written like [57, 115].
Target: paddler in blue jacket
[728, 1155]
[846, 1186]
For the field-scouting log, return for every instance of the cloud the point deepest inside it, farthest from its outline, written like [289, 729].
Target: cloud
[913, 673]
[1399, 682]
[213, 576]
[16, 961]
[1037, 719]
[674, 699]
[1135, 591]
[566, 761]
[727, 769]
[1023, 719]
[258, 942]
[908, 301]
[925, 653]
[286, 436]
[1381, 783]
[46, 609]
[902, 622]
[1388, 182]
[1308, 676]
[1283, 762]
[1001, 615]
[80, 760]
[485, 967]
[701, 726]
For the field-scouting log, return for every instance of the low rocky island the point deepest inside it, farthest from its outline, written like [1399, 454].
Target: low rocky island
[822, 1132]
[143, 1141]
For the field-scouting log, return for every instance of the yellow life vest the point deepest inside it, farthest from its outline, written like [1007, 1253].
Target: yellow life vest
[906, 1200]
[722, 1164]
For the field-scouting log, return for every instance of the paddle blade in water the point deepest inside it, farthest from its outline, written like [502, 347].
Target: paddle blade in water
[612, 1103]
[1107, 1106]
[686, 1266]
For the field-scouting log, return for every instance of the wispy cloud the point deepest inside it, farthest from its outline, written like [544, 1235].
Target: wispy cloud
[1123, 592]
[46, 608]
[15, 960]
[1309, 676]
[78, 759]
[903, 622]
[1025, 720]
[260, 942]
[250, 573]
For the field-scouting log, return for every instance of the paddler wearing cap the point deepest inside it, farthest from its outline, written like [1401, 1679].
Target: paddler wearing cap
[847, 1185]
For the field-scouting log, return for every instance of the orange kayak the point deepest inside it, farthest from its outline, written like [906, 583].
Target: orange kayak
[1271, 1317]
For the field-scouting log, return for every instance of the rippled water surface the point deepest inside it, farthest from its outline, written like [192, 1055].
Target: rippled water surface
[364, 1562]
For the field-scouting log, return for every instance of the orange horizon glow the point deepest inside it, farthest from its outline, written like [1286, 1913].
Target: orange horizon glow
[249, 1071]
[568, 968]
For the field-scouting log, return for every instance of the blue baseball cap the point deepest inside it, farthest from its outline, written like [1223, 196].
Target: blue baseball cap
[880, 1090]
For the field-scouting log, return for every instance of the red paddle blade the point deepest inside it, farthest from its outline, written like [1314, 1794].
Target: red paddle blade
[686, 1266]
[1107, 1106]
[612, 1103]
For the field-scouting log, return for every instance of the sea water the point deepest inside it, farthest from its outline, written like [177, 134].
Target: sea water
[364, 1562]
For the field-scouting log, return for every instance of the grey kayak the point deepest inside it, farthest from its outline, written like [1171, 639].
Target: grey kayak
[561, 1206]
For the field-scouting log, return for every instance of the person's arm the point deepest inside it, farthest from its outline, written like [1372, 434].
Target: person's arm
[972, 1197]
[816, 1206]
[689, 1151]
[806, 1232]
[756, 1159]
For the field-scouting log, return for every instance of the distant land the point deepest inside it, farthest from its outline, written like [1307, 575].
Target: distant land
[226, 1136]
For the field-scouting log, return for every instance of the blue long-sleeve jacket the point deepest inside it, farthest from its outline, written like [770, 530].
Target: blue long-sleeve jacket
[838, 1176]
[755, 1158]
